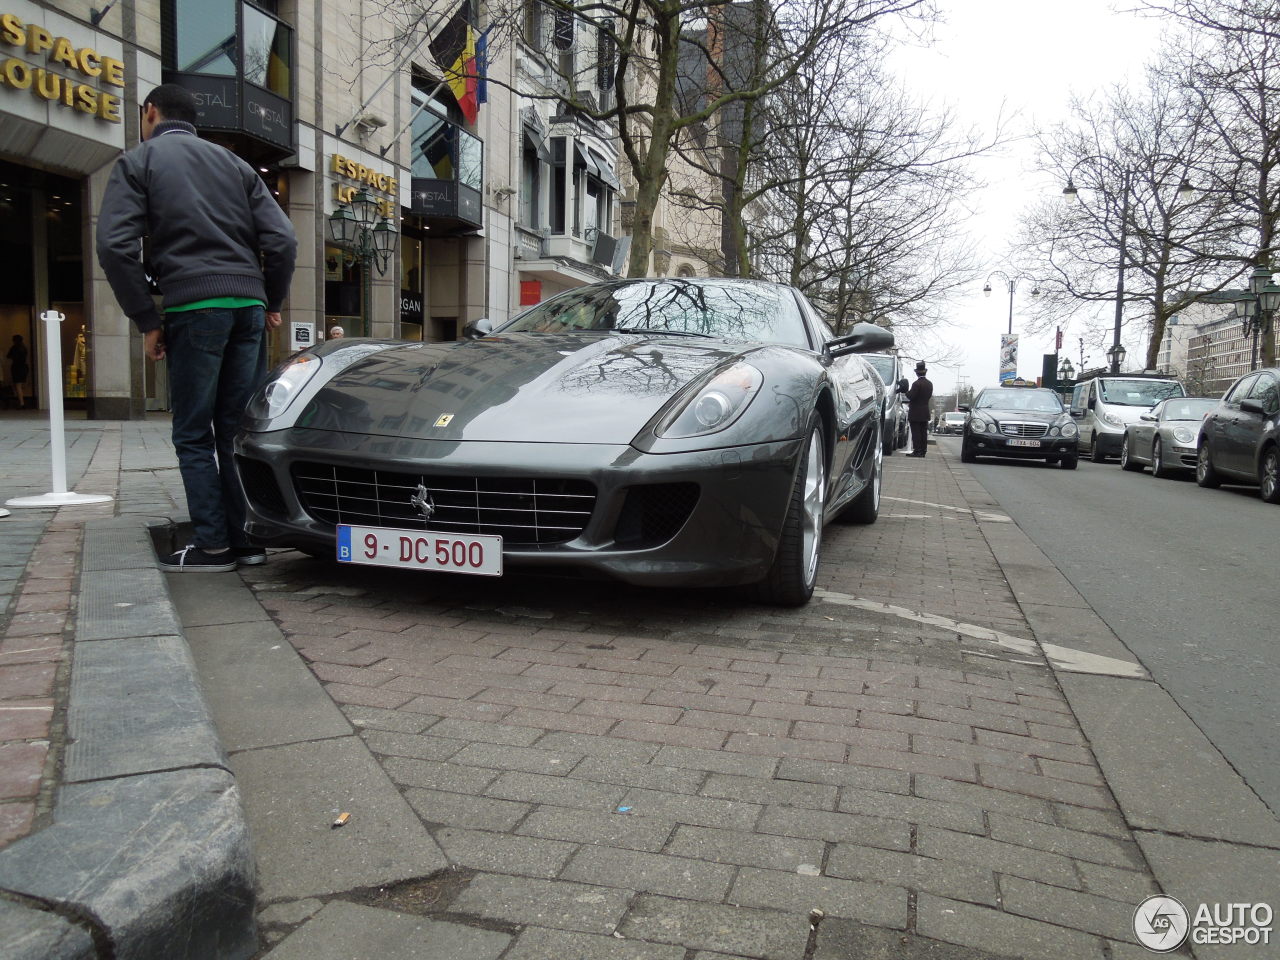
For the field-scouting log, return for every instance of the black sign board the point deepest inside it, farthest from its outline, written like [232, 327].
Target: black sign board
[230, 104]
[410, 306]
[217, 100]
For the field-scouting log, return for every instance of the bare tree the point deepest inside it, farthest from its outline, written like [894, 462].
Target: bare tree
[1149, 233]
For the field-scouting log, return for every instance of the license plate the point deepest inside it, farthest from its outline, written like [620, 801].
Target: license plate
[1024, 443]
[420, 550]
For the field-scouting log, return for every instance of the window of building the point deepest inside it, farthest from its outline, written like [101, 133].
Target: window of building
[268, 51]
[530, 183]
[204, 36]
[559, 198]
[442, 149]
[532, 19]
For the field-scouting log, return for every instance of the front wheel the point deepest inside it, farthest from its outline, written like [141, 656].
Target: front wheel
[1269, 475]
[865, 507]
[966, 453]
[1095, 452]
[791, 579]
[1126, 461]
[1158, 466]
[1206, 475]
[1069, 463]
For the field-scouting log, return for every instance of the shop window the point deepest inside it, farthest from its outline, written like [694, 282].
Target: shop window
[268, 51]
[204, 36]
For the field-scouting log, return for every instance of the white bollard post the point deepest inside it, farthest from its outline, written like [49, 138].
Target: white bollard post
[57, 426]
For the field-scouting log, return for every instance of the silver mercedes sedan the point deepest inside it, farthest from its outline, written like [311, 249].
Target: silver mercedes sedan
[1165, 436]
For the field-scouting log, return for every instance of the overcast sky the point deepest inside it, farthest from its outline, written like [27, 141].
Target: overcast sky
[1028, 56]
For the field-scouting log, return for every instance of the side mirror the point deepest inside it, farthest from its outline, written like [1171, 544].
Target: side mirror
[963, 407]
[865, 338]
[478, 328]
[1148, 416]
[903, 386]
[1250, 405]
[1077, 414]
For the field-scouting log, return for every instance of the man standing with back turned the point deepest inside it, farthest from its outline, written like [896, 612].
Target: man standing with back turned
[222, 252]
[918, 398]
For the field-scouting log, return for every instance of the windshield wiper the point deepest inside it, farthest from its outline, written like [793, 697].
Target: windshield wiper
[662, 330]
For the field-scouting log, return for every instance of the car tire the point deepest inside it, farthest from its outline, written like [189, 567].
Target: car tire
[966, 453]
[1158, 468]
[1126, 460]
[1069, 463]
[1269, 474]
[1095, 452]
[865, 507]
[1206, 475]
[791, 579]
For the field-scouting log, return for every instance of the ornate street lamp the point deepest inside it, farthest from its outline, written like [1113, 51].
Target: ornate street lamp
[1115, 355]
[365, 238]
[1065, 370]
[1259, 309]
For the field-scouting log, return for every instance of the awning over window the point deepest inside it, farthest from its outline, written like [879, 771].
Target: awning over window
[606, 171]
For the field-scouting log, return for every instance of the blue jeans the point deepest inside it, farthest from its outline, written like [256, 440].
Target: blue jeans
[217, 358]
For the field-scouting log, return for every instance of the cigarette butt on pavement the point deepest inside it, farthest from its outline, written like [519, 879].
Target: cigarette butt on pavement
[341, 821]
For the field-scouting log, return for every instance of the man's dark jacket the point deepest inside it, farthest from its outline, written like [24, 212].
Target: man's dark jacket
[215, 229]
[918, 398]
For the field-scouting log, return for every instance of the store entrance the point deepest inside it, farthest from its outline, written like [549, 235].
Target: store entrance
[41, 230]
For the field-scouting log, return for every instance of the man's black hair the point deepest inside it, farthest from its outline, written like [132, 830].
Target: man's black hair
[173, 102]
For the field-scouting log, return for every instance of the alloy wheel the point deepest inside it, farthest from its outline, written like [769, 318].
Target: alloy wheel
[1271, 476]
[815, 492]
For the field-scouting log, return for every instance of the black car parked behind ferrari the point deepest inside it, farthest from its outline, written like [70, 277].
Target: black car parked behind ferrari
[1019, 422]
[1238, 439]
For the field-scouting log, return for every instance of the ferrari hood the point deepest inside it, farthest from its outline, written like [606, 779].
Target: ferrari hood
[588, 388]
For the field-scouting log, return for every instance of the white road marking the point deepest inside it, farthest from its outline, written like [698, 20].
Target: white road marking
[978, 514]
[1065, 658]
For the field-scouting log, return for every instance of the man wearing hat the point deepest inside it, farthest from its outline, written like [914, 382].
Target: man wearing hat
[918, 398]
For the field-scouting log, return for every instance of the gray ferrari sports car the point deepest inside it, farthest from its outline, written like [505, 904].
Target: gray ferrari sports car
[660, 431]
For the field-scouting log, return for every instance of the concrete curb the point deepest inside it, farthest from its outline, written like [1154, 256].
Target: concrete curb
[148, 854]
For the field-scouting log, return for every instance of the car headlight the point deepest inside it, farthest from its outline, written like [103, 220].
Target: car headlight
[1183, 435]
[1110, 419]
[717, 404]
[1054, 431]
[1069, 429]
[277, 393]
[978, 426]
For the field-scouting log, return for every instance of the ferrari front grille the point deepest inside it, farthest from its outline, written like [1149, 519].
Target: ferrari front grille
[522, 510]
[1024, 429]
[654, 513]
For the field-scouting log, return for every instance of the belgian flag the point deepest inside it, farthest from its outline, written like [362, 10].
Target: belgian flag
[454, 49]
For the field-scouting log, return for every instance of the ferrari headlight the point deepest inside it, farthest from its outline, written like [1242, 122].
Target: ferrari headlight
[720, 402]
[1184, 435]
[1069, 429]
[278, 392]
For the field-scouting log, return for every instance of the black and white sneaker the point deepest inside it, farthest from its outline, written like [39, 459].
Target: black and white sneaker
[191, 559]
[249, 556]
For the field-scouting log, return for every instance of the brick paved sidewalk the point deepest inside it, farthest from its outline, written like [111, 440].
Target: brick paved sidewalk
[39, 570]
[635, 774]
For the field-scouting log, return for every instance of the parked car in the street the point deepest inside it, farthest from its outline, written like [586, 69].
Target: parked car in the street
[952, 422]
[1104, 406]
[1165, 436]
[892, 372]
[1239, 438]
[1020, 423]
[659, 431]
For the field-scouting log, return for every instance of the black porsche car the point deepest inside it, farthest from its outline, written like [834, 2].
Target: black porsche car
[1019, 423]
[660, 431]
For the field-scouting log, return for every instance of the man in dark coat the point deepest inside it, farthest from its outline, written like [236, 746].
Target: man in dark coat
[918, 414]
[223, 254]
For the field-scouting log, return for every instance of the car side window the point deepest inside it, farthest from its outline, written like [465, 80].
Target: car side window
[1267, 391]
[1077, 396]
[1240, 390]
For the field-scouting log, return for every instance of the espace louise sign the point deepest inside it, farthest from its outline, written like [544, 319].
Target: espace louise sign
[83, 63]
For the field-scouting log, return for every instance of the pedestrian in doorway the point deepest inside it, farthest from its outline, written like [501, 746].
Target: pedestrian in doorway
[18, 370]
[222, 253]
[918, 398]
[336, 332]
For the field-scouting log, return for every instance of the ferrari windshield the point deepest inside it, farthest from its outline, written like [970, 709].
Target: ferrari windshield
[1019, 398]
[1188, 408]
[1138, 393]
[732, 311]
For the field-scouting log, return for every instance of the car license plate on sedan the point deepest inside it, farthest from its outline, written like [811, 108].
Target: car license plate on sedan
[1024, 443]
[420, 550]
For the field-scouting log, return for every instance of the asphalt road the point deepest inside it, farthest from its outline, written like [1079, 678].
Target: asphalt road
[1185, 577]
